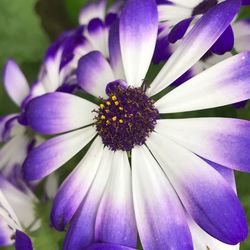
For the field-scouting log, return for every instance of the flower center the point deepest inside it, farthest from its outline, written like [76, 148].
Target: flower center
[126, 118]
[204, 6]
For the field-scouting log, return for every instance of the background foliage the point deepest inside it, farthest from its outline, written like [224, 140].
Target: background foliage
[26, 28]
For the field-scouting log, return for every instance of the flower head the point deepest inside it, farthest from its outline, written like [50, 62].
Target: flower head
[176, 168]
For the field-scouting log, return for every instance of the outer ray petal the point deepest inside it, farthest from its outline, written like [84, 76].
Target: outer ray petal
[138, 33]
[22, 241]
[205, 194]
[76, 186]
[81, 232]
[22, 203]
[115, 52]
[94, 73]
[59, 112]
[53, 153]
[222, 140]
[15, 82]
[160, 217]
[225, 83]
[115, 222]
[203, 241]
[203, 35]
[103, 246]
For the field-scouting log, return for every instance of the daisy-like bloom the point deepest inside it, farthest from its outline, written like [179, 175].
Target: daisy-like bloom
[177, 16]
[143, 172]
[16, 213]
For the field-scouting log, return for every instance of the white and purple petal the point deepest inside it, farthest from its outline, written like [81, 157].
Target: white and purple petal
[81, 232]
[197, 42]
[106, 246]
[91, 11]
[97, 35]
[53, 153]
[138, 33]
[76, 186]
[94, 73]
[203, 241]
[59, 112]
[225, 83]
[15, 82]
[205, 194]
[115, 222]
[115, 52]
[160, 217]
[224, 141]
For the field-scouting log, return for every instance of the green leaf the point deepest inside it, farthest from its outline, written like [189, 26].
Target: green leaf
[22, 39]
[73, 8]
[244, 12]
[21, 35]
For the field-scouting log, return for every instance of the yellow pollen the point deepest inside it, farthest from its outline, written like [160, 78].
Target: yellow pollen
[121, 121]
[114, 98]
[102, 106]
[116, 103]
[108, 103]
[107, 111]
[120, 108]
[108, 122]
[114, 118]
[103, 117]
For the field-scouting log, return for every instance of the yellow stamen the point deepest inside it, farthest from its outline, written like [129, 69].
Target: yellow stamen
[103, 117]
[114, 118]
[108, 122]
[120, 108]
[114, 98]
[102, 106]
[116, 103]
[121, 121]
[107, 111]
[108, 103]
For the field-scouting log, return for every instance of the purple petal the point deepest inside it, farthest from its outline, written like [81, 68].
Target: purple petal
[23, 242]
[115, 52]
[94, 73]
[226, 173]
[53, 153]
[225, 83]
[179, 30]
[81, 232]
[15, 82]
[225, 42]
[76, 186]
[162, 49]
[138, 33]
[205, 194]
[197, 42]
[59, 112]
[245, 2]
[221, 140]
[97, 34]
[115, 221]
[103, 246]
[160, 217]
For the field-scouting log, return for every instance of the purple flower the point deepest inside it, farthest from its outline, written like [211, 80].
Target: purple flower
[177, 17]
[61, 59]
[143, 172]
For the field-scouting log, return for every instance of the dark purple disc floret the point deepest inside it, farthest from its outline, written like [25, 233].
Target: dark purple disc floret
[126, 118]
